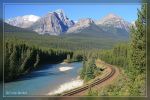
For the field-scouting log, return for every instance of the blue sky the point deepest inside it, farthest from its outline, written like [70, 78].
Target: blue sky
[74, 12]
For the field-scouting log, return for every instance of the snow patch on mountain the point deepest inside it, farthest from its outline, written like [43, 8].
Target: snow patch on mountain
[31, 18]
[23, 21]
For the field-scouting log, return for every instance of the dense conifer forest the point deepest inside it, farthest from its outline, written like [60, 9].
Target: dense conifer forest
[21, 57]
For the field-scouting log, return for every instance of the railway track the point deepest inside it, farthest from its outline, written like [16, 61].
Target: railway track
[94, 83]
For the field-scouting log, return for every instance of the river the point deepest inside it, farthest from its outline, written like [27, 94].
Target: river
[49, 79]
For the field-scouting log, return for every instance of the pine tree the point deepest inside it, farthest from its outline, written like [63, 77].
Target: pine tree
[138, 43]
[13, 65]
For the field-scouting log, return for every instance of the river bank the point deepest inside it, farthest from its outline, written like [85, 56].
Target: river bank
[50, 78]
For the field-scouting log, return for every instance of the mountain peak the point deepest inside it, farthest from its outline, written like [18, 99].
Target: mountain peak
[61, 14]
[112, 15]
[113, 20]
[31, 18]
[110, 19]
[23, 21]
[53, 23]
[59, 11]
[80, 25]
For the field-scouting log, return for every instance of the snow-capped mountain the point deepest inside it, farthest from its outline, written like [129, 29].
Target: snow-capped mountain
[53, 23]
[23, 21]
[112, 20]
[57, 23]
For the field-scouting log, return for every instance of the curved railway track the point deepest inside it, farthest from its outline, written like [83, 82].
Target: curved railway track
[94, 83]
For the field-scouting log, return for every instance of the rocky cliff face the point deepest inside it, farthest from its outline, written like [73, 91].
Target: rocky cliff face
[54, 23]
[64, 18]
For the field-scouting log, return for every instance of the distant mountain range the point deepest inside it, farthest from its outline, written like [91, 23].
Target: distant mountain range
[57, 23]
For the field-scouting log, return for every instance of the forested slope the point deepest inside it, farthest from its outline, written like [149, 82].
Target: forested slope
[130, 57]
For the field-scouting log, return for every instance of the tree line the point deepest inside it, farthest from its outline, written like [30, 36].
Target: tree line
[21, 57]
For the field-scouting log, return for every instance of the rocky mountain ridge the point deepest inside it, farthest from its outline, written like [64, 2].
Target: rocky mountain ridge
[57, 23]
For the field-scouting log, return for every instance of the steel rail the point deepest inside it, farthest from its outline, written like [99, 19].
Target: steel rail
[94, 83]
